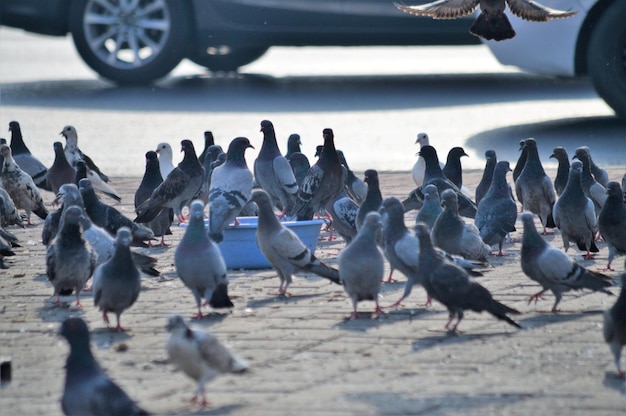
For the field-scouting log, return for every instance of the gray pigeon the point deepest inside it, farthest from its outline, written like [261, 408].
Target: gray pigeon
[209, 141]
[231, 187]
[361, 264]
[20, 187]
[574, 214]
[215, 157]
[200, 356]
[6, 248]
[299, 162]
[612, 222]
[176, 190]
[450, 284]
[152, 178]
[431, 209]
[562, 172]
[325, 179]
[521, 161]
[88, 390]
[592, 188]
[453, 169]
[485, 180]
[166, 156]
[70, 260]
[200, 265]
[373, 198]
[25, 159]
[492, 22]
[497, 211]
[273, 172]
[614, 329]
[74, 154]
[283, 249]
[451, 234]
[553, 269]
[9, 216]
[600, 175]
[534, 188]
[117, 282]
[61, 172]
[67, 196]
[355, 187]
[343, 211]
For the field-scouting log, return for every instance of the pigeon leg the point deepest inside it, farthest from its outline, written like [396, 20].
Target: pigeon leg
[354, 315]
[556, 302]
[608, 267]
[105, 317]
[389, 279]
[536, 297]
[378, 310]
[119, 328]
[78, 299]
[393, 305]
[199, 314]
[588, 256]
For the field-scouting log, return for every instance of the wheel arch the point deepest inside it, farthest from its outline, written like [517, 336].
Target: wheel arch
[584, 36]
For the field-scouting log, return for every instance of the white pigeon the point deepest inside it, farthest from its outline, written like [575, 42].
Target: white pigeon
[199, 355]
[73, 153]
[420, 165]
[166, 165]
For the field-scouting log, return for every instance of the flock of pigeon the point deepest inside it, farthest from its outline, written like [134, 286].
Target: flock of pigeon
[454, 235]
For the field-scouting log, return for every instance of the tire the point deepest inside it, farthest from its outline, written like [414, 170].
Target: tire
[228, 59]
[155, 37]
[606, 58]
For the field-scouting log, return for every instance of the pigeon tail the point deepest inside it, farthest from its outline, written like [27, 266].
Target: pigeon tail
[481, 300]
[323, 270]
[595, 281]
[220, 299]
[495, 27]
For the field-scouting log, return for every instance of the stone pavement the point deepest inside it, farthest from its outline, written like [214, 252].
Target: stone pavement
[306, 358]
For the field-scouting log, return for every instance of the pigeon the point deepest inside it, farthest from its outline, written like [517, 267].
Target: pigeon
[592, 188]
[431, 209]
[152, 178]
[451, 234]
[117, 282]
[553, 269]
[450, 284]
[177, 188]
[373, 198]
[88, 390]
[6, 249]
[419, 168]
[343, 211]
[600, 175]
[562, 172]
[521, 161]
[361, 264]
[101, 186]
[355, 187]
[273, 172]
[200, 265]
[323, 181]
[110, 218]
[614, 329]
[283, 249]
[8, 211]
[67, 196]
[492, 23]
[20, 187]
[534, 188]
[231, 187]
[485, 180]
[452, 169]
[70, 260]
[574, 214]
[199, 355]
[299, 162]
[434, 175]
[74, 154]
[209, 141]
[61, 172]
[612, 222]
[164, 151]
[497, 211]
[215, 157]
[25, 159]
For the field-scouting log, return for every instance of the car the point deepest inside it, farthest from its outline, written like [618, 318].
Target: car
[591, 43]
[140, 41]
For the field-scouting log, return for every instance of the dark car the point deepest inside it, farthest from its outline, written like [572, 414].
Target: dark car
[139, 41]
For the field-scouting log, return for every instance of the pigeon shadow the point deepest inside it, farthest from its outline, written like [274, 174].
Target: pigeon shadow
[223, 410]
[51, 312]
[105, 337]
[541, 319]
[450, 337]
[371, 320]
[280, 300]
[209, 319]
[612, 381]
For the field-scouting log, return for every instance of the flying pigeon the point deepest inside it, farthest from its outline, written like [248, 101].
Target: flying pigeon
[283, 249]
[612, 222]
[152, 178]
[355, 187]
[614, 329]
[553, 269]
[70, 260]
[25, 159]
[574, 214]
[199, 355]
[20, 187]
[209, 141]
[343, 212]
[450, 284]
[431, 209]
[88, 390]
[231, 187]
[323, 181]
[485, 180]
[74, 154]
[177, 188]
[273, 172]
[200, 265]
[61, 172]
[373, 198]
[8, 211]
[562, 172]
[534, 188]
[361, 264]
[299, 162]
[166, 155]
[453, 169]
[492, 22]
[453, 235]
[117, 282]
[592, 188]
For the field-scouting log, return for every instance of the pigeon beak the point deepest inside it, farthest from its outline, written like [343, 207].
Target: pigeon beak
[552, 156]
[250, 146]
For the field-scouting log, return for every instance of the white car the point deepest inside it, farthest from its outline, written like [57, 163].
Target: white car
[591, 43]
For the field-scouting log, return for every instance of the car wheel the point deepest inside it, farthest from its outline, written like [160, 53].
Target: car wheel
[131, 42]
[227, 59]
[606, 57]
